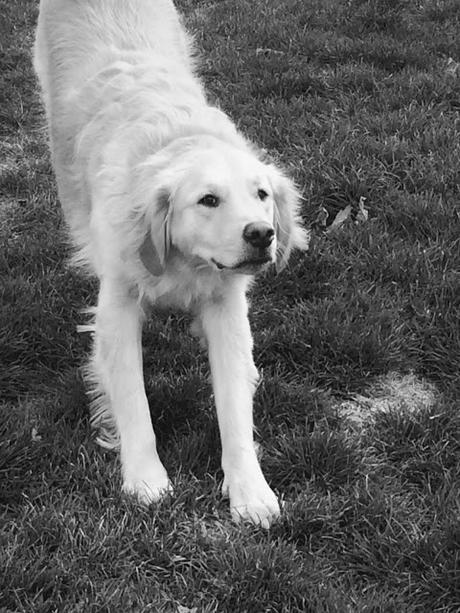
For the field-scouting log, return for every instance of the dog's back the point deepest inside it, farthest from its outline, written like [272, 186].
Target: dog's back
[80, 46]
[76, 38]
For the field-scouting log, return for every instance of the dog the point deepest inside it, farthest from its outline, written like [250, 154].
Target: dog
[168, 204]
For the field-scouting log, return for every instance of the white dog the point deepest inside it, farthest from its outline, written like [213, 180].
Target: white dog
[167, 203]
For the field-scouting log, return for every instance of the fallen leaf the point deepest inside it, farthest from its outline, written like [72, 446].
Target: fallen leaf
[340, 218]
[321, 218]
[266, 50]
[363, 213]
[453, 67]
[35, 436]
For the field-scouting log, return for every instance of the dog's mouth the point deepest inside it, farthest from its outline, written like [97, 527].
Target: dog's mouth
[246, 266]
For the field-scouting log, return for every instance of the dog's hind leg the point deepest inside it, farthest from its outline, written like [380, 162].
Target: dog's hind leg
[117, 370]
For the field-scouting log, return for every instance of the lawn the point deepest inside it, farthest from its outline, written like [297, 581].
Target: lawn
[358, 340]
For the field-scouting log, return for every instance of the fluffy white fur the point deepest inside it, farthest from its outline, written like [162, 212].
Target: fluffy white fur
[159, 191]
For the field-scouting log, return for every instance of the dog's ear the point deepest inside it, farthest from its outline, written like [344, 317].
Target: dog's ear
[290, 234]
[157, 242]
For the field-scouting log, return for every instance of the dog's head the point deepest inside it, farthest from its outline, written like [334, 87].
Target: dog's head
[218, 205]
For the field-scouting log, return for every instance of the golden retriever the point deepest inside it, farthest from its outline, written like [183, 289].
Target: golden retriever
[166, 203]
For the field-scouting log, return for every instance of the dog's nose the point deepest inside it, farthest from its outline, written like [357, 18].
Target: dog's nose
[258, 234]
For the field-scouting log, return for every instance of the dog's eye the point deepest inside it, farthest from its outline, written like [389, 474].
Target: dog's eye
[209, 200]
[262, 194]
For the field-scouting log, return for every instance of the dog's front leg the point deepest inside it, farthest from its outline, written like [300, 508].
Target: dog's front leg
[234, 376]
[117, 368]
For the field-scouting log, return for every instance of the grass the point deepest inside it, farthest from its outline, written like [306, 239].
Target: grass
[358, 340]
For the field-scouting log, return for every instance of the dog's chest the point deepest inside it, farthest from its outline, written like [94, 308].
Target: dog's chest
[185, 288]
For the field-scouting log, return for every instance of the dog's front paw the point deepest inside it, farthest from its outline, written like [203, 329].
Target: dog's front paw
[148, 485]
[252, 500]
